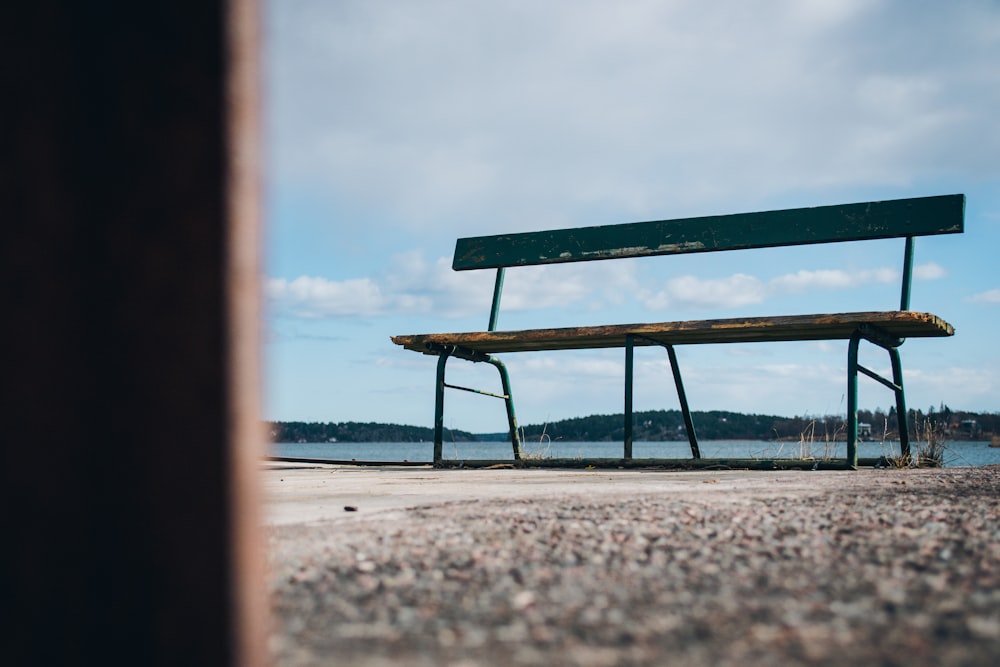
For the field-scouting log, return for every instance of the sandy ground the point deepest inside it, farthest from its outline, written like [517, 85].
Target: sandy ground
[415, 566]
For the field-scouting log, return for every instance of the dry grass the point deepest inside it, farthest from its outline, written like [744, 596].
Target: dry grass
[540, 450]
[926, 449]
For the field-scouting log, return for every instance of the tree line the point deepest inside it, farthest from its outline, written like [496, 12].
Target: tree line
[357, 432]
[666, 425]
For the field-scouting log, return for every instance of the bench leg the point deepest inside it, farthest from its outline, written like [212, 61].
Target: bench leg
[852, 399]
[515, 437]
[439, 408]
[901, 415]
[682, 398]
[896, 385]
[441, 385]
[629, 362]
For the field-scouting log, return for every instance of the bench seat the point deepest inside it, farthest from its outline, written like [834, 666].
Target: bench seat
[899, 324]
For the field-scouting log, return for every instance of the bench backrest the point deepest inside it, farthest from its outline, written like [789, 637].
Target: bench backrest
[907, 218]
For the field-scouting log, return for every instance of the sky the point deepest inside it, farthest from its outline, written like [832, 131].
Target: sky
[392, 128]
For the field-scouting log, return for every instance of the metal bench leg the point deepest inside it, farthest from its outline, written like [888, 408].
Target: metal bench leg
[629, 362]
[439, 408]
[890, 345]
[682, 398]
[852, 399]
[444, 353]
[901, 415]
[515, 437]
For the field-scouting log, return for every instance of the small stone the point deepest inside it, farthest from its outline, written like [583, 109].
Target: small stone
[522, 600]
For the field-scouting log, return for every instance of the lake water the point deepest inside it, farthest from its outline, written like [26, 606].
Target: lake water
[957, 453]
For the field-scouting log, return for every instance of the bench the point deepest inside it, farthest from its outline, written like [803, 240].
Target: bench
[901, 218]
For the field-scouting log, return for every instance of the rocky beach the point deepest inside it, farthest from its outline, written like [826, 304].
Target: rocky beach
[595, 568]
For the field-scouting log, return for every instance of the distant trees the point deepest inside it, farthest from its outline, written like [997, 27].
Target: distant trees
[956, 424]
[660, 425]
[357, 432]
[664, 425]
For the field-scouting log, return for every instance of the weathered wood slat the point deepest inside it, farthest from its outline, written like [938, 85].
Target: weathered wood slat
[903, 324]
[919, 216]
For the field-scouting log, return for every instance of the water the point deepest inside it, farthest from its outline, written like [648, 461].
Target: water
[956, 453]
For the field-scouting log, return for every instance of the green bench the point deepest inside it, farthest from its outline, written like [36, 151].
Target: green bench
[901, 218]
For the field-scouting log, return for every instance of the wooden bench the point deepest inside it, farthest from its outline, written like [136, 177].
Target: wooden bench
[902, 218]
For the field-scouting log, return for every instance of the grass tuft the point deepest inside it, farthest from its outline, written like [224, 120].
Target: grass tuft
[541, 451]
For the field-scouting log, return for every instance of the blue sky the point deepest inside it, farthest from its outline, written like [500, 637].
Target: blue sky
[393, 128]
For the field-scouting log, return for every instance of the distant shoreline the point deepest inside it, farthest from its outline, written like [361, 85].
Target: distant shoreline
[666, 426]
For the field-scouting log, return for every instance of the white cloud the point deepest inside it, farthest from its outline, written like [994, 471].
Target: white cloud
[312, 297]
[740, 289]
[803, 280]
[435, 288]
[991, 297]
[958, 385]
[538, 287]
[929, 271]
[572, 367]
[416, 286]
[411, 286]
[690, 291]
[590, 285]
[810, 386]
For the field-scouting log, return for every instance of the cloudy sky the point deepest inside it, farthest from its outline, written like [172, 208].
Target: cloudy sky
[394, 127]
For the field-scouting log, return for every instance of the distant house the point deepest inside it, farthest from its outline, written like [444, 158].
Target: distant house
[969, 426]
[864, 430]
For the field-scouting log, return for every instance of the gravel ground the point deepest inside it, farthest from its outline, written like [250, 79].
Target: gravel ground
[870, 568]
